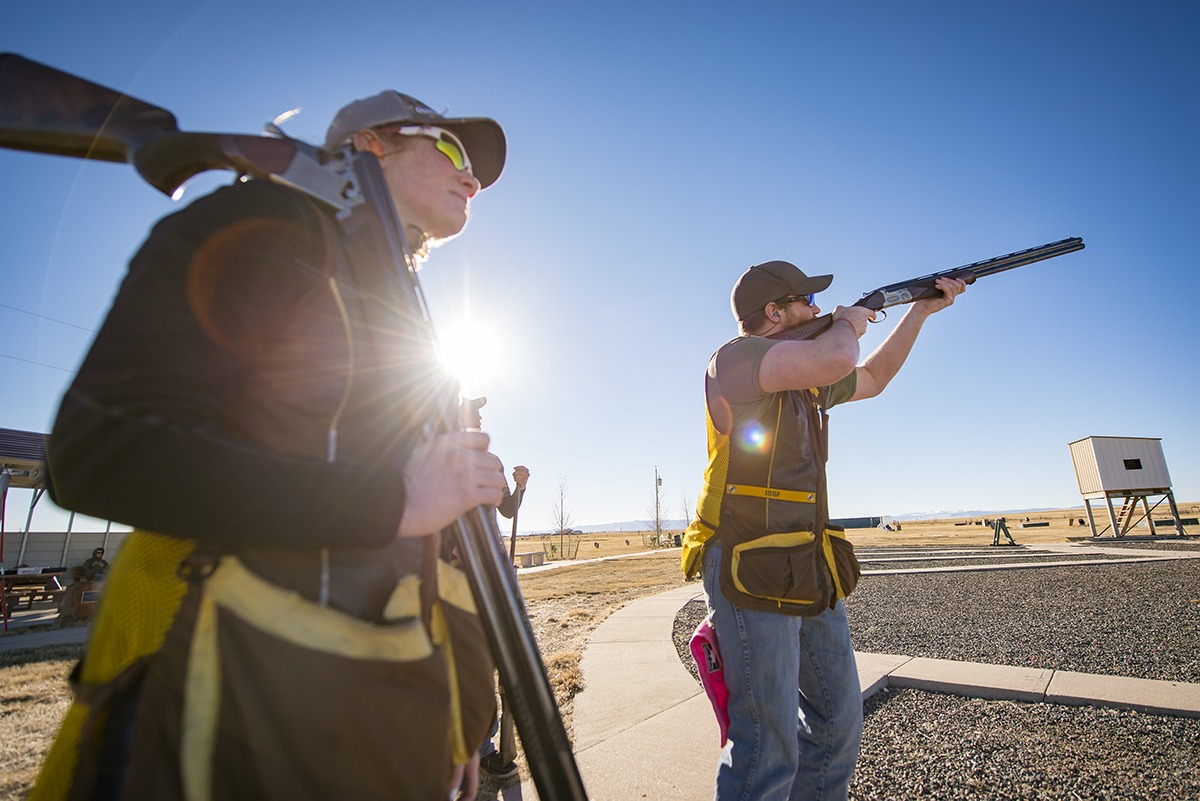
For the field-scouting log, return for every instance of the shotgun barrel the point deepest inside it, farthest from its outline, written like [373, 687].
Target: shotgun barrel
[917, 288]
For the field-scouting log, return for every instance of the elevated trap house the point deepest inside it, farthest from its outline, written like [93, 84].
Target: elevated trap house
[1130, 468]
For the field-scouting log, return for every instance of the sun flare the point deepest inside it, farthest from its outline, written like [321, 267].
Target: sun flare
[473, 352]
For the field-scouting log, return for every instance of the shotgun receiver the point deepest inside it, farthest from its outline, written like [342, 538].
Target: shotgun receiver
[44, 110]
[918, 288]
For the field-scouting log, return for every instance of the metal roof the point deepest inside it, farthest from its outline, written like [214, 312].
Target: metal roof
[24, 453]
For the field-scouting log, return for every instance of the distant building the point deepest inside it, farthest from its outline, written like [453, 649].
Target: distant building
[857, 522]
[1130, 468]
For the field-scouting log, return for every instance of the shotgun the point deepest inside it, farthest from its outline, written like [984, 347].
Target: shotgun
[508, 743]
[917, 288]
[44, 110]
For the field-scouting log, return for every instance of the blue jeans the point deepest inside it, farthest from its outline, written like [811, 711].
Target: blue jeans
[488, 746]
[795, 705]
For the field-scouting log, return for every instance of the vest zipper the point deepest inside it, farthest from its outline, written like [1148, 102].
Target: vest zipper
[331, 434]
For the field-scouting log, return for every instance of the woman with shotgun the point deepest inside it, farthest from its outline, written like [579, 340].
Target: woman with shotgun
[283, 622]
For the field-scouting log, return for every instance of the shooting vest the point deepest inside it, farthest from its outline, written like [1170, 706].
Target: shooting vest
[764, 498]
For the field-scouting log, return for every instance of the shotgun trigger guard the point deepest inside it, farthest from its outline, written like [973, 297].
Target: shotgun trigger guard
[880, 316]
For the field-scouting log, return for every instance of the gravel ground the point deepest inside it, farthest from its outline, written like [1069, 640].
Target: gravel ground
[1138, 620]
[1191, 544]
[929, 745]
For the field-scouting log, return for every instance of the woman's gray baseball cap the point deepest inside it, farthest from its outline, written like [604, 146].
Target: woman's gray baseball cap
[770, 281]
[482, 137]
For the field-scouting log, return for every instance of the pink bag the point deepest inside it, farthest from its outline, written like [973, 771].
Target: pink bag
[704, 650]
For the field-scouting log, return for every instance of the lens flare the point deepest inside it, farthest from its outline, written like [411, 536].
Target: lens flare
[752, 437]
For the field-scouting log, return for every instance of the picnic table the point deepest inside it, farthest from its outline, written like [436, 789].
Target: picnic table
[30, 587]
[530, 559]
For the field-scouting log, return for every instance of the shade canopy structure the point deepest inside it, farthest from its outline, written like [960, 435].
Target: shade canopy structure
[23, 458]
[22, 465]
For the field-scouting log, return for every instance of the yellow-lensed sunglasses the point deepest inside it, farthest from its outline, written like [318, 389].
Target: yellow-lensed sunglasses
[449, 144]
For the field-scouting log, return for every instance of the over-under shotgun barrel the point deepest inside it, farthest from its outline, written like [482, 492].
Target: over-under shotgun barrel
[917, 288]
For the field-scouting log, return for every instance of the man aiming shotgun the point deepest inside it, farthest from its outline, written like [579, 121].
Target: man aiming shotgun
[263, 404]
[775, 572]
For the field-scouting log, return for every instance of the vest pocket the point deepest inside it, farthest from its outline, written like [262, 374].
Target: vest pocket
[275, 684]
[781, 568]
[839, 552]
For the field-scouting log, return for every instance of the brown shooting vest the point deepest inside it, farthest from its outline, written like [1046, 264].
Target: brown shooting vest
[765, 502]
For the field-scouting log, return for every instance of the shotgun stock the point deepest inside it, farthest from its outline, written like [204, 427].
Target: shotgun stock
[44, 110]
[917, 288]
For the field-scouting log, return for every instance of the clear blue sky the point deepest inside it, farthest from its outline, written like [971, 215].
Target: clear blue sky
[656, 150]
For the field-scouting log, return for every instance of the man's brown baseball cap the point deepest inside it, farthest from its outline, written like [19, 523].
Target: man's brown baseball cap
[770, 281]
[481, 136]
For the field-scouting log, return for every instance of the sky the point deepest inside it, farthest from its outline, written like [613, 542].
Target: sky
[657, 150]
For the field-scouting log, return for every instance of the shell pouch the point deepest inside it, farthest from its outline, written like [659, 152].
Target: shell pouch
[274, 685]
[791, 572]
[843, 564]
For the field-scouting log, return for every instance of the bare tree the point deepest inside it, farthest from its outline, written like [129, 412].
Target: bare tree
[688, 508]
[561, 516]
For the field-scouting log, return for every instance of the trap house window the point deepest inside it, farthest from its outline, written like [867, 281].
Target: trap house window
[1133, 464]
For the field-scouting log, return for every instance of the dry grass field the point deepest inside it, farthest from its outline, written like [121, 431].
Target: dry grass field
[565, 604]
[1064, 525]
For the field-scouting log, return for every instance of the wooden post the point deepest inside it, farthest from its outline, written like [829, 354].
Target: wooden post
[1112, 516]
[1149, 517]
[1175, 513]
[1087, 504]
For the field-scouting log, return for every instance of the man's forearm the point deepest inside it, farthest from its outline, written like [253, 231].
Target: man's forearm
[883, 364]
[510, 502]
